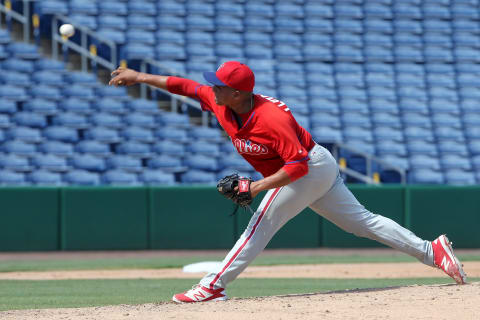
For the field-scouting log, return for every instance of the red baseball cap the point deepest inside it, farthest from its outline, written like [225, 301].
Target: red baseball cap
[232, 74]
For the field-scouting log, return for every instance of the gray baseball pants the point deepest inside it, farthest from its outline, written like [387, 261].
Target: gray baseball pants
[324, 191]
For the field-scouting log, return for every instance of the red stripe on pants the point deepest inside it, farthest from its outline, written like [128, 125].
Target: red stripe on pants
[246, 240]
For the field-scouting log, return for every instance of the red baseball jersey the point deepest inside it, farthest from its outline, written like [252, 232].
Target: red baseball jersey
[270, 137]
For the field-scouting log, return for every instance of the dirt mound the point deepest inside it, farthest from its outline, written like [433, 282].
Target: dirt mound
[412, 302]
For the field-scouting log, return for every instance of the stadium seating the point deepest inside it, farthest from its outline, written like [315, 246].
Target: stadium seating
[397, 79]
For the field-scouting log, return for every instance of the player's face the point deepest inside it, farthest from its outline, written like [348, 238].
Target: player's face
[223, 95]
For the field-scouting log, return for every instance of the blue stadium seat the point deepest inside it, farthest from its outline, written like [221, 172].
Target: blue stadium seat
[386, 147]
[229, 51]
[93, 147]
[113, 22]
[140, 119]
[203, 148]
[112, 7]
[142, 8]
[137, 133]
[16, 79]
[172, 134]
[81, 78]
[88, 162]
[201, 162]
[141, 22]
[414, 119]
[170, 51]
[422, 147]
[447, 120]
[19, 148]
[49, 78]
[453, 161]
[50, 162]
[174, 120]
[134, 149]
[119, 93]
[386, 119]
[252, 23]
[5, 121]
[102, 134]
[378, 25]
[229, 9]
[50, 7]
[46, 178]
[327, 135]
[50, 65]
[84, 20]
[198, 177]
[4, 36]
[14, 93]
[320, 119]
[257, 9]
[229, 23]
[8, 106]
[18, 65]
[9, 178]
[125, 163]
[25, 134]
[110, 106]
[82, 177]
[424, 161]
[199, 22]
[156, 177]
[384, 105]
[452, 147]
[170, 36]
[446, 133]
[115, 35]
[75, 105]
[81, 6]
[106, 120]
[228, 37]
[46, 92]
[169, 148]
[15, 163]
[416, 133]
[59, 133]
[166, 163]
[57, 148]
[459, 177]
[79, 92]
[377, 10]
[167, 22]
[71, 120]
[388, 133]
[171, 8]
[426, 176]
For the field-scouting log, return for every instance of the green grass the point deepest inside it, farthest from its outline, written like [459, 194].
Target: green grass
[178, 262]
[26, 294]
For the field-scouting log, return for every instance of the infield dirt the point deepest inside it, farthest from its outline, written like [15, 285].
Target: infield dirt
[412, 302]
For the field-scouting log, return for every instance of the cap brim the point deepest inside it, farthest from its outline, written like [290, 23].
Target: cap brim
[211, 77]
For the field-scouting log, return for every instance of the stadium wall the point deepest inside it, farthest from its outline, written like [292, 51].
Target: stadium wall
[130, 218]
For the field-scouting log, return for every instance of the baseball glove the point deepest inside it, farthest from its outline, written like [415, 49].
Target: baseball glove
[242, 195]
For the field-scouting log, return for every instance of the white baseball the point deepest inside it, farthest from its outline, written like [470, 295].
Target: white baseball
[67, 30]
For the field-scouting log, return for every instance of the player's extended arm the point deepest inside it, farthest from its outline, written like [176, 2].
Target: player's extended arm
[276, 180]
[128, 77]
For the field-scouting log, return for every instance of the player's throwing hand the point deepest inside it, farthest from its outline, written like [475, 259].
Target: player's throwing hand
[124, 77]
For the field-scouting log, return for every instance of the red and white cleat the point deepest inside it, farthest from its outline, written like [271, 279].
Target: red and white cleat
[444, 259]
[199, 293]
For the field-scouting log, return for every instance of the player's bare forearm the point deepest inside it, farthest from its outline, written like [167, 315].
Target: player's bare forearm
[276, 180]
[128, 77]
[153, 80]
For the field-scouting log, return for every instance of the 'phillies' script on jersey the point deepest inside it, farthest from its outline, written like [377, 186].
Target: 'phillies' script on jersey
[246, 146]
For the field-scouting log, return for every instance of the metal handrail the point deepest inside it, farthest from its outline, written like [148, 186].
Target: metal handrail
[369, 158]
[24, 18]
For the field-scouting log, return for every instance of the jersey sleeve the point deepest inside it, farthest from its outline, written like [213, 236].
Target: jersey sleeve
[192, 89]
[289, 147]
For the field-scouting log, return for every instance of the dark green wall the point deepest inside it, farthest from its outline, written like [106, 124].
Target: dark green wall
[106, 218]
[29, 219]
